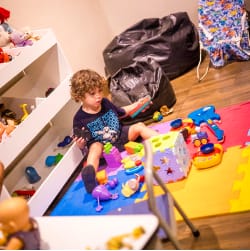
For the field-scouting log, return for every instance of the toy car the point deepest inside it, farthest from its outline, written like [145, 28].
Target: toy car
[200, 138]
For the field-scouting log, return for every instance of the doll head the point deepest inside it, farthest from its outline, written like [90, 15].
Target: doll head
[14, 215]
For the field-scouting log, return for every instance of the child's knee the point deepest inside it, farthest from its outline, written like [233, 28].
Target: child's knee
[96, 147]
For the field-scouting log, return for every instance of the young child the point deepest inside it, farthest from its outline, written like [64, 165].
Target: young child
[98, 119]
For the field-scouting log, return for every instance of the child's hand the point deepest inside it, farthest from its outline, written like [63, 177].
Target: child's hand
[79, 138]
[80, 142]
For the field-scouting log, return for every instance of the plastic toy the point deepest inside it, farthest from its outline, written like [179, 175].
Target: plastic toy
[53, 160]
[123, 241]
[20, 231]
[206, 115]
[101, 193]
[180, 124]
[112, 156]
[102, 177]
[209, 155]
[131, 161]
[131, 186]
[134, 170]
[25, 112]
[66, 141]
[157, 116]
[133, 147]
[164, 110]
[81, 133]
[171, 157]
[26, 193]
[32, 175]
[200, 138]
[140, 107]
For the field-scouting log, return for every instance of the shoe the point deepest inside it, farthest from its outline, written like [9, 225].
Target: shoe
[89, 178]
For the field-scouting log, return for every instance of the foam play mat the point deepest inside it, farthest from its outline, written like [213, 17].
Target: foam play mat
[220, 189]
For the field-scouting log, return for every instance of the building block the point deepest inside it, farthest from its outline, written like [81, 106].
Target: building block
[112, 156]
[133, 147]
[102, 177]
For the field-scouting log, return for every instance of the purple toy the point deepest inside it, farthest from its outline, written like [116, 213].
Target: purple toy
[101, 193]
[112, 156]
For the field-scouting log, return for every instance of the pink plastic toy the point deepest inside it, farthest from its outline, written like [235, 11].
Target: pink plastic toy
[101, 193]
[112, 156]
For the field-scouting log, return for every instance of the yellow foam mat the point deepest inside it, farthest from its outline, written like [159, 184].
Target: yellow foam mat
[208, 192]
[242, 186]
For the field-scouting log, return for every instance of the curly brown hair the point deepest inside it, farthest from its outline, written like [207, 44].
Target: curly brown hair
[85, 81]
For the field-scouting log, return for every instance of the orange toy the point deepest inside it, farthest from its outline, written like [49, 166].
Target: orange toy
[102, 177]
[4, 57]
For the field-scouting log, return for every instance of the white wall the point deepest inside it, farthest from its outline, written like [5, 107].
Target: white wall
[122, 14]
[85, 27]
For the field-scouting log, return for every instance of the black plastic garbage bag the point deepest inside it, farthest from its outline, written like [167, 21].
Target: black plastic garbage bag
[139, 80]
[172, 41]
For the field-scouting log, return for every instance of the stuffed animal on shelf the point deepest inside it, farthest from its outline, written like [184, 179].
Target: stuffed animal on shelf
[20, 39]
[4, 15]
[20, 231]
[5, 40]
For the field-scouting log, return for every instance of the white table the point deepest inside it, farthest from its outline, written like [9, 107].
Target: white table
[93, 231]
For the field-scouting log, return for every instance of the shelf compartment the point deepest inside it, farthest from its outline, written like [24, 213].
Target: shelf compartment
[54, 177]
[28, 55]
[34, 123]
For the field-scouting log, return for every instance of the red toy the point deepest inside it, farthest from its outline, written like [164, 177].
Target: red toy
[4, 57]
[4, 14]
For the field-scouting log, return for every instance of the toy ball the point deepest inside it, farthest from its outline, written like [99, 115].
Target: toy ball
[32, 175]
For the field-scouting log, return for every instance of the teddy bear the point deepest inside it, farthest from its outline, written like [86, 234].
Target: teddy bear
[20, 39]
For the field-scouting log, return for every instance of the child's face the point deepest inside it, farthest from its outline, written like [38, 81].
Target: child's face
[93, 99]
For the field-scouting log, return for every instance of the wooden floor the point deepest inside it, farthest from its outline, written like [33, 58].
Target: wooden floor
[221, 87]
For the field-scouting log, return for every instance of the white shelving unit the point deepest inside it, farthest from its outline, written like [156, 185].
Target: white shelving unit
[26, 79]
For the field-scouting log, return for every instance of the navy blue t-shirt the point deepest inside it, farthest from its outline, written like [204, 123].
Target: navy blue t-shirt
[103, 126]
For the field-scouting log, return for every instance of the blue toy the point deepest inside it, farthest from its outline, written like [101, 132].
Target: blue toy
[32, 175]
[207, 115]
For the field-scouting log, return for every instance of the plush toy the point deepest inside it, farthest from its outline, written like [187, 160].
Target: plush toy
[5, 40]
[4, 15]
[20, 39]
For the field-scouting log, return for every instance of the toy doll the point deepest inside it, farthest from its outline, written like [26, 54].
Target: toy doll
[20, 230]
